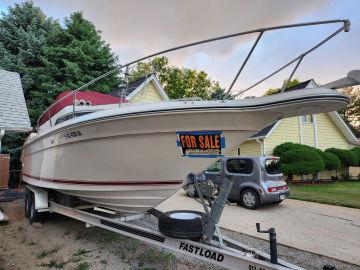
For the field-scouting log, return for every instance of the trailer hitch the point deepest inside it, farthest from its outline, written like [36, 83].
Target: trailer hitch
[273, 243]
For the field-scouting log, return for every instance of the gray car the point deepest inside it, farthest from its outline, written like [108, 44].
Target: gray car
[257, 180]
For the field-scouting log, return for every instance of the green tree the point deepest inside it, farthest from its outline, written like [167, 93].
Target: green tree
[351, 113]
[332, 162]
[302, 162]
[74, 55]
[293, 161]
[24, 30]
[179, 82]
[291, 83]
[347, 157]
[356, 150]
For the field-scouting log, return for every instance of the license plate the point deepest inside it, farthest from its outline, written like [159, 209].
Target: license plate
[282, 197]
[201, 143]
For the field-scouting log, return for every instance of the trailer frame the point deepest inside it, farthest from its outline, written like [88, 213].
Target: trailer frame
[221, 250]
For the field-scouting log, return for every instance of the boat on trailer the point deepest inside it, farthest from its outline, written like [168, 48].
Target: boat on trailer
[131, 157]
[123, 159]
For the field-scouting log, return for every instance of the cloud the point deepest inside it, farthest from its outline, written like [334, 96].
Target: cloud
[149, 26]
[140, 27]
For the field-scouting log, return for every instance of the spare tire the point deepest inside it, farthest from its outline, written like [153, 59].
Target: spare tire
[182, 224]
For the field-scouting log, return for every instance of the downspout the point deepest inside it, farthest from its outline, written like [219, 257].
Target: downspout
[318, 176]
[300, 130]
[261, 146]
[315, 131]
[2, 133]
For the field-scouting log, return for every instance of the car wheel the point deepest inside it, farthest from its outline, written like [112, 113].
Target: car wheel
[191, 190]
[182, 224]
[250, 199]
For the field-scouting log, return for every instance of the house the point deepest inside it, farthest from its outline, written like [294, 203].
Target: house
[323, 130]
[144, 89]
[13, 115]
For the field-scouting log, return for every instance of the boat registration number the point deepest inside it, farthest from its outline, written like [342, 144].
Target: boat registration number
[201, 143]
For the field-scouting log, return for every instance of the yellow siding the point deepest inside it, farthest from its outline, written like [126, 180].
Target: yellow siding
[148, 94]
[308, 134]
[328, 133]
[354, 172]
[250, 148]
[285, 131]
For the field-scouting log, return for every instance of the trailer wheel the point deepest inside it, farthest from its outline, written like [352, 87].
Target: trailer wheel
[27, 204]
[182, 224]
[191, 191]
[34, 215]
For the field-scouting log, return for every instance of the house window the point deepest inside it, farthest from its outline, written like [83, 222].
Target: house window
[306, 119]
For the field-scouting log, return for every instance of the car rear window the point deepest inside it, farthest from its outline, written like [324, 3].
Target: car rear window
[241, 166]
[273, 166]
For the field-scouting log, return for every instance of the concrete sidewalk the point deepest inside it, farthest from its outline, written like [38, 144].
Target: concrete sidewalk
[327, 230]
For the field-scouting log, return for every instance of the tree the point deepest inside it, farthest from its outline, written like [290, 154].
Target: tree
[24, 30]
[356, 150]
[179, 82]
[347, 157]
[332, 162]
[288, 84]
[351, 113]
[74, 55]
[302, 162]
[300, 159]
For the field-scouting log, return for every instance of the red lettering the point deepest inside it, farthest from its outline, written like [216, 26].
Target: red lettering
[193, 142]
[188, 141]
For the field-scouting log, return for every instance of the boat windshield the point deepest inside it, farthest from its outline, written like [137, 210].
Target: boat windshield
[70, 116]
[273, 166]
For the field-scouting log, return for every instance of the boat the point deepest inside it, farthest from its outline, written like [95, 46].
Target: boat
[131, 157]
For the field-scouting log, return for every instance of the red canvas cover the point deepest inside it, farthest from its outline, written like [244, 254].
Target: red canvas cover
[93, 97]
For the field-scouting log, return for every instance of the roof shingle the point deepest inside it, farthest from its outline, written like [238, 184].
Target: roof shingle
[13, 112]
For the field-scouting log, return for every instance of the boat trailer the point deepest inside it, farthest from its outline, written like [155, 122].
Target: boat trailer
[213, 247]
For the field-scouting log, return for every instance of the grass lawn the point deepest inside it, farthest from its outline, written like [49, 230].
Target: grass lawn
[341, 193]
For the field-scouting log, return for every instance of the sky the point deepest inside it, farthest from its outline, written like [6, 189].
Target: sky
[137, 28]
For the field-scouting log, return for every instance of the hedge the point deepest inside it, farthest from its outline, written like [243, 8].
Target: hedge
[301, 161]
[356, 150]
[332, 162]
[347, 157]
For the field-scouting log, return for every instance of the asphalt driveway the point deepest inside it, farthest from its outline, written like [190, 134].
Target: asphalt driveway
[327, 230]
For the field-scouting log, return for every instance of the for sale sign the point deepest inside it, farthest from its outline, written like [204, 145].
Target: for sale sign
[201, 143]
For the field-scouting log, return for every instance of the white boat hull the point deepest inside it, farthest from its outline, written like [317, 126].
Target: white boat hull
[131, 162]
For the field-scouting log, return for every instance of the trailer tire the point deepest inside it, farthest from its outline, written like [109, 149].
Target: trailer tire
[34, 215]
[182, 224]
[27, 204]
[191, 191]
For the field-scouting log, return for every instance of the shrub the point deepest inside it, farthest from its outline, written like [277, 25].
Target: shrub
[302, 161]
[356, 150]
[284, 147]
[332, 162]
[347, 157]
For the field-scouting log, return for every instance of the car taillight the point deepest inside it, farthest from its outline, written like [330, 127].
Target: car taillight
[274, 189]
